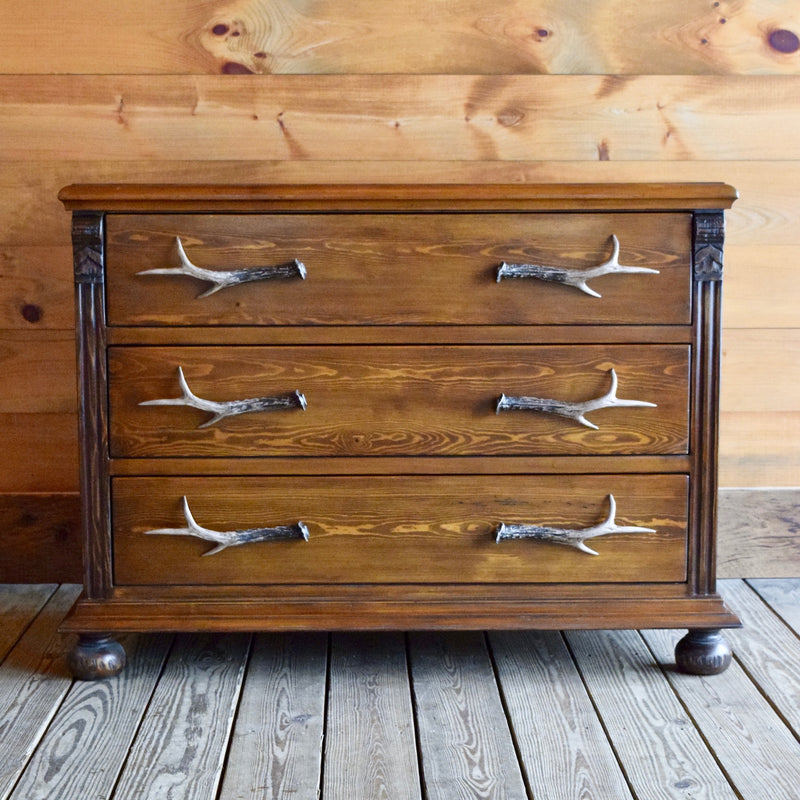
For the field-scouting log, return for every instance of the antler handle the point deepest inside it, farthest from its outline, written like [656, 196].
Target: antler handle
[574, 537]
[229, 408]
[221, 279]
[571, 277]
[569, 409]
[235, 538]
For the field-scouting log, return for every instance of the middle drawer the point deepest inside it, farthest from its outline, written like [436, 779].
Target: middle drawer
[398, 400]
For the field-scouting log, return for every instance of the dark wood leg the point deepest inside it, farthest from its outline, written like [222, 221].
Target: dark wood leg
[96, 655]
[703, 652]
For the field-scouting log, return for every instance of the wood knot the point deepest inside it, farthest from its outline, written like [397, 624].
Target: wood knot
[31, 313]
[509, 117]
[784, 41]
[235, 68]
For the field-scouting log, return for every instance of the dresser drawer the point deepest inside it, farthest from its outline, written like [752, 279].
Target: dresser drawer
[398, 529]
[359, 269]
[397, 400]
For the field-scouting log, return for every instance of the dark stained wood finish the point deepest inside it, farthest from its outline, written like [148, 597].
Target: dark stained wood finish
[401, 529]
[44, 531]
[401, 534]
[382, 401]
[88, 240]
[359, 268]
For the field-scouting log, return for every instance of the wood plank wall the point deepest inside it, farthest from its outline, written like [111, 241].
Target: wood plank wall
[373, 90]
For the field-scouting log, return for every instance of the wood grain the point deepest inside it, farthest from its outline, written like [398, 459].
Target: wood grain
[783, 596]
[358, 270]
[180, 747]
[18, 606]
[762, 284]
[29, 360]
[399, 529]
[30, 441]
[563, 747]
[290, 36]
[278, 734]
[394, 117]
[759, 757]
[663, 755]
[759, 449]
[466, 748]
[41, 539]
[769, 652]
[370, 751]
[763, 369]
[758, 533]
[373, 401]
[82, 754]
[33, 682]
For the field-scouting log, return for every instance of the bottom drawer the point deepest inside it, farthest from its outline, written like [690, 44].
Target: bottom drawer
[397, 529]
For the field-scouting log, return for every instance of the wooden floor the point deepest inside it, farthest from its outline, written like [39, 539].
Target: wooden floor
[546, 716]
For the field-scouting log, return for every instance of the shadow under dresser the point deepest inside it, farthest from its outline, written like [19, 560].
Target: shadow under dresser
[398, 406]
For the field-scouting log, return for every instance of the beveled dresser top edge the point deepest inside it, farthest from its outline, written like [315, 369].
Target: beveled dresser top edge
[222, 198]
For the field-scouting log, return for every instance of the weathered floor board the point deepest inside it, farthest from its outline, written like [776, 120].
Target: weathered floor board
[370, 751]
[585, 715]
[465, 743]
[563, 748]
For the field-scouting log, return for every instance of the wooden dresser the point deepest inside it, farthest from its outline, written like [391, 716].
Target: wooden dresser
[371, 407]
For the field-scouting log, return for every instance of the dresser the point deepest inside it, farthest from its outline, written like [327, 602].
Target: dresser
[398, 407]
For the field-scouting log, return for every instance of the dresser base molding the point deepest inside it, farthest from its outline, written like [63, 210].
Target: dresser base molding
[96, 655]
[353, 613]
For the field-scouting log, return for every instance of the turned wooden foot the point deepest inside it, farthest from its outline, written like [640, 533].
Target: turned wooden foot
[96, 655]
[703, 652]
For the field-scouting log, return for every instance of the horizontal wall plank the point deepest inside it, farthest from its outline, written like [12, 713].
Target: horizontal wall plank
[40, 452]
[416, 36]
[762, 286]
[43, 533]
[760, 370]
[758, 533]
[31, 216]
[37, 285]
[38, 369]
[400, 117]
[759, 449]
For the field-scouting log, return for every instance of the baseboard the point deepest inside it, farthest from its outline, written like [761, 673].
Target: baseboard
[758, 533]
[40, 538]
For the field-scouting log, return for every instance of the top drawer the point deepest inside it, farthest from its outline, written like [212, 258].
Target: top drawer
[398, 269]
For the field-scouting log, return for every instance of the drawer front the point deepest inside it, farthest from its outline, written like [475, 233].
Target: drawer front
[387, 269]
[397, 400]
[398, 529]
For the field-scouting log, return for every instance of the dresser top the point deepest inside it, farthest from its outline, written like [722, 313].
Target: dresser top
[134, 198]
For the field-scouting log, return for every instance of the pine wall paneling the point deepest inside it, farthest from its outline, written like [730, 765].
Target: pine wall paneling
[465, 90]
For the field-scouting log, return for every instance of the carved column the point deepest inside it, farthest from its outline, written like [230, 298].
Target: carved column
[88, 234]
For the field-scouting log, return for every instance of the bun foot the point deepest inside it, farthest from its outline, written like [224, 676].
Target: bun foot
[703, 652]
[96, 656]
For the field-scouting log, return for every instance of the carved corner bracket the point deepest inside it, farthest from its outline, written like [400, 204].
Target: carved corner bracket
[708, 238]
[88, 229]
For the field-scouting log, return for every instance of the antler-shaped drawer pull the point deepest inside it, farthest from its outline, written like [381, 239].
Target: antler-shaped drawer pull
[565, 408]
[222, 279]
[571, 277]
[225, 539]
[229, 408]
[569, 536]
